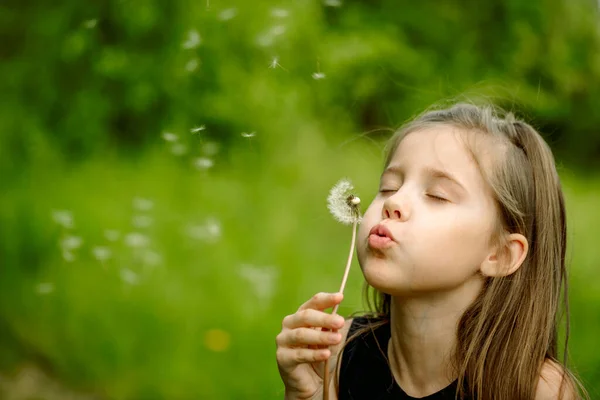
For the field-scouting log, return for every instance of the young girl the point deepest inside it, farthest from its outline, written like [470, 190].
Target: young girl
[464, 249]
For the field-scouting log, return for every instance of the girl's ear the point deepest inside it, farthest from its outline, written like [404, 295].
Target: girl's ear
[507, 259]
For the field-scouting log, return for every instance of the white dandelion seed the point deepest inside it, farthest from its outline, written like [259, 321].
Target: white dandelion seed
[279, 13]
[169, 137]
[265, 40]
[136, 240]
[203, 163]
[179, 149]
[318, 76]
[192, 65]
[63, 218]
[227, 14]
[101, 253]
[248, 134]
[210, 148]
[142, 221]
[209, 231]
[71, 242]
[198, 129]
[192, 41]
[277, 30]
[262, 279]
[44, 288]
[275, 63]
[343, 204]
[90, 23]
[332, 3]
[112, 235]
[151, 258]
[130, 277]
[142, 204]
[68, 256]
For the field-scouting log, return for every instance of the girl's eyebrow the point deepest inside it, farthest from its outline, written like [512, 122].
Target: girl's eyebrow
[429, 171]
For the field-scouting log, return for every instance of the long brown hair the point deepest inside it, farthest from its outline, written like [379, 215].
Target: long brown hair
[511, 329]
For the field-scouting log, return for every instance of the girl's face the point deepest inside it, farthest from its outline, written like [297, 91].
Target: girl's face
[428, 228]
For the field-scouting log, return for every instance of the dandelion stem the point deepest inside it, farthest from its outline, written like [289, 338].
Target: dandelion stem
[343, 285]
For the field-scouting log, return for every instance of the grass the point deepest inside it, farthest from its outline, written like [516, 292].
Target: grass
[231, 251]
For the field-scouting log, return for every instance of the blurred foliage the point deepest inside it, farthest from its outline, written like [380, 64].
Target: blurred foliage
[165, 166]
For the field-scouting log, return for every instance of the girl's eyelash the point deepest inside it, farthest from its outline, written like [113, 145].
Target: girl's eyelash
[437, 198]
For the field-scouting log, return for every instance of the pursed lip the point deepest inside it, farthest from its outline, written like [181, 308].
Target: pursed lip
[382, 230]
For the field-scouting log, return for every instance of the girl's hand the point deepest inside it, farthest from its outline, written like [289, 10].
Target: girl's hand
[302, 346]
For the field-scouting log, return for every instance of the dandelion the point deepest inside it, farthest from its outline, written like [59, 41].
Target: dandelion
[318, 76]
[101, 253]
[203, 163]
[198, 129]
[142, 204]
[227, 14]
[44, 288]
[248, 134]
[130, 277]
[136, 240]
[193, 40]
[112, 235]
[63, 217]
[344, 206]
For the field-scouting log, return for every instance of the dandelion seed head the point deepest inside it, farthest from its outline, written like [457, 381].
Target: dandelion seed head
[343, 204]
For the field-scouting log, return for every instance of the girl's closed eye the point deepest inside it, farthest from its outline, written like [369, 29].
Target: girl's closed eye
[437, 197]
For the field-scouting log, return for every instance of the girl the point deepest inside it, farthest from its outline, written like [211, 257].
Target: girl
[464, 249]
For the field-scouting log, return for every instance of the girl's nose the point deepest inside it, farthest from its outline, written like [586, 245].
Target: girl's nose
[395, 207]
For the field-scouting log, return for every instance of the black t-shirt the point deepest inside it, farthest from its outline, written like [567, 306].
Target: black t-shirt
[365, 373]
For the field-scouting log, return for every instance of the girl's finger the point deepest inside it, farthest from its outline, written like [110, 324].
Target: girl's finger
[312, 318]
[305, 337]
[321, 301]
[287, 357]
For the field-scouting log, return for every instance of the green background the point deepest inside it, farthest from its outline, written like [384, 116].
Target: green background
[164, 168]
